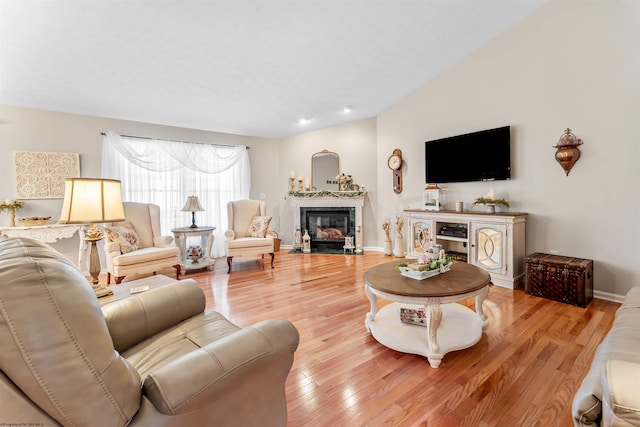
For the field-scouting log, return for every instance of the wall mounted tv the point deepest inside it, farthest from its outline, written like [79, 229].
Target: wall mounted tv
[477, 156]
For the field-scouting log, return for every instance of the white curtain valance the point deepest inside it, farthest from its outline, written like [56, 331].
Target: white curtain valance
[167, 172]
[165, 156]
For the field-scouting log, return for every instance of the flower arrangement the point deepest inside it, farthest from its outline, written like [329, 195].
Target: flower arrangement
[11, 206]
[386, 228]
[399, 223]
[8, 205]
[195, 252]
[344, 181]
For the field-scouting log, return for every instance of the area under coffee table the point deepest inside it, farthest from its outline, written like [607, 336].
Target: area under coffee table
[450, 326]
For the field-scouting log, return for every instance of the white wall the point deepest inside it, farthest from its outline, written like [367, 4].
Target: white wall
[25, 129]
[355, 143]
[569, 64]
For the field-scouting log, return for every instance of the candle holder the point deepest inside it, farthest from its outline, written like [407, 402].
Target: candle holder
[11, 206]
[292, 181]
[300, 184]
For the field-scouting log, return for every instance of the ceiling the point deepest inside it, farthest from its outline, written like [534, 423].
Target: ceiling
[248, 67]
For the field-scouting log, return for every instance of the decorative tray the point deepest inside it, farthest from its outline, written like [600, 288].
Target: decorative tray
[28, 222]
[421, 275]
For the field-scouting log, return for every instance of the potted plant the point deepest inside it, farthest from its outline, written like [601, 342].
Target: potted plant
[490, 203]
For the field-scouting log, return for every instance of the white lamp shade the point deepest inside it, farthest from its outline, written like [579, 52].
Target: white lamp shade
[91, 200]
[192, 205]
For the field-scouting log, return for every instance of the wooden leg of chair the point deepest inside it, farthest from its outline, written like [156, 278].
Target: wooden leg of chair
[108, 278]
[119, 279]
[272, 256]
[229, 258]
[178, 270]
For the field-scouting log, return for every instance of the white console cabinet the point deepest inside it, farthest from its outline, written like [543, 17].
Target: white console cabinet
[492, 241]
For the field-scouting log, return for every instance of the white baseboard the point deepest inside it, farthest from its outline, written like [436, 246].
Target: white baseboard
[608, 296]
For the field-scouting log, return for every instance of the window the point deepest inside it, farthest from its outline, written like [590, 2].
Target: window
[167, 172]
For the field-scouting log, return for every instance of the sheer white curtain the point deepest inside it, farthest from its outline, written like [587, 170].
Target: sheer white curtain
[167, 172]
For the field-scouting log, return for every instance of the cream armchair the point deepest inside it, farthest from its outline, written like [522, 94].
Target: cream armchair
[135, 245]
[249, 233]
[154, 359]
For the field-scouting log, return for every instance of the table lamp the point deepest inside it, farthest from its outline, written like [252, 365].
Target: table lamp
[193, 205]
[92, 200]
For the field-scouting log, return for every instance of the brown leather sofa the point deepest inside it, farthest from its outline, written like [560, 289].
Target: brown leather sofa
[154, 359]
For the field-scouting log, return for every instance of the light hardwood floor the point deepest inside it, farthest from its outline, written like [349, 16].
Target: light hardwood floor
[523, 372]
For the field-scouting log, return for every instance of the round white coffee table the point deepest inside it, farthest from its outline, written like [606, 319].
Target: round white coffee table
[449, 326]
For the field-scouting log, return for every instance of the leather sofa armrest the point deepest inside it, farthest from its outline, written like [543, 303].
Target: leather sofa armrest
[230, 234]
[162, 241]
[251, 362]
[621, 396]
[140, 316]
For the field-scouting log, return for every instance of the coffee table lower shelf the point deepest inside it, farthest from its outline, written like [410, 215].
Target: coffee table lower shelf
[459, 328]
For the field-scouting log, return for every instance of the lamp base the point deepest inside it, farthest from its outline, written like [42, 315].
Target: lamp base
[102, 291]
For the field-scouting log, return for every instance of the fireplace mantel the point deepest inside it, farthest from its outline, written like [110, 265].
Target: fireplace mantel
[329, 199]
[328, 194]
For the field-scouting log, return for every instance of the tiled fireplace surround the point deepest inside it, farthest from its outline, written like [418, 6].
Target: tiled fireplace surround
[326, 204]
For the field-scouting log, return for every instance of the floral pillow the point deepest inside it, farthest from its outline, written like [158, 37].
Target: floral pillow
[259, 226]
[125, 236]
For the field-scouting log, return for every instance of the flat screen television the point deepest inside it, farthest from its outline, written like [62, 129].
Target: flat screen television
[477, 156]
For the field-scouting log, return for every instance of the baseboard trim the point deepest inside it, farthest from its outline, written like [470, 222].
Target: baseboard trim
[608, 296]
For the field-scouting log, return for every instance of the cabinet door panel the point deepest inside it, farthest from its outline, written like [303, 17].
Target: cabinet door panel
[421, 236]
[488, 249]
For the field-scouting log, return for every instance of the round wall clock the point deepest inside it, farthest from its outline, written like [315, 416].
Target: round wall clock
[394, 162]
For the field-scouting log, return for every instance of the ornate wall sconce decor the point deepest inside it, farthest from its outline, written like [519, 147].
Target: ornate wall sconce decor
[567, 152]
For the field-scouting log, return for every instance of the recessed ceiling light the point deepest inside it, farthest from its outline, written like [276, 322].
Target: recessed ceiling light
[347, 109]
[303, 120]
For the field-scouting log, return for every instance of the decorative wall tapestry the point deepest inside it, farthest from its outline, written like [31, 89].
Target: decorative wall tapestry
[41, 175]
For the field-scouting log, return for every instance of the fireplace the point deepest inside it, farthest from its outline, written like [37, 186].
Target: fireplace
[328, 226]
[337, 202]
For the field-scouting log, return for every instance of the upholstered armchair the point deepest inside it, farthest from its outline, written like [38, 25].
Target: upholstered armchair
[249, 233]
[135, 245]
[153, 359]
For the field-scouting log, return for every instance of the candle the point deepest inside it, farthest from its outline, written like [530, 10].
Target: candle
[293, 175]
[300, 179]
[492, 194]
[308, 185]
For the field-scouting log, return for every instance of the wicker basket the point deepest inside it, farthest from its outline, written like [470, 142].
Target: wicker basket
[276, 241]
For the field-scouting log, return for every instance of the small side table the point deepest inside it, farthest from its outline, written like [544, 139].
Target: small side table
[206, 241]
[123, 290]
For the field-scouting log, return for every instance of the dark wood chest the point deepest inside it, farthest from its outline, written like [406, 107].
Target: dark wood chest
[560, 278]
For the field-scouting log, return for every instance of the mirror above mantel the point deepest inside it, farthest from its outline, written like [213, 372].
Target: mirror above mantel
[325, 166]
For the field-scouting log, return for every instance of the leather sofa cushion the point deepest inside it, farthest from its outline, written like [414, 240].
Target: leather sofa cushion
[67, 339]
[172, 343]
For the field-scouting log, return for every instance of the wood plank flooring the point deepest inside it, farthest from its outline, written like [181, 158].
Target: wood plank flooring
[523, 372]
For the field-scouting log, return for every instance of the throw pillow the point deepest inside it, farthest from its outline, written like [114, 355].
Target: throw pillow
[125, 236]
[259, 226]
